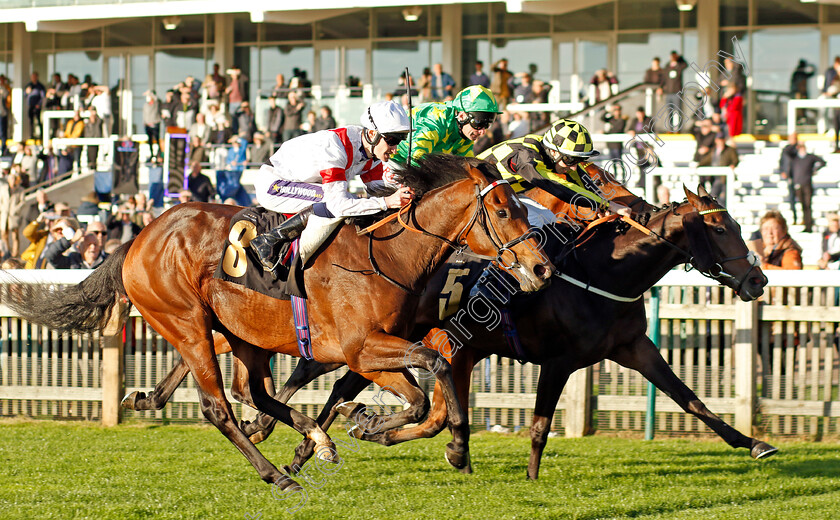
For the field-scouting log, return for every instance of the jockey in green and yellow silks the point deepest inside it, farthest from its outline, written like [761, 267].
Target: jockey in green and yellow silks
[450, 126]
[554, 163]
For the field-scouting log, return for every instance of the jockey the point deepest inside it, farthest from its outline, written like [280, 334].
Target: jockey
[449, 127]
[555, 163]
[309, 175]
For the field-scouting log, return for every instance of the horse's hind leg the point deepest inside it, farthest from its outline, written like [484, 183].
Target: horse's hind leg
[163, 391]
[256, 372]
[644, 357]
[306, 371]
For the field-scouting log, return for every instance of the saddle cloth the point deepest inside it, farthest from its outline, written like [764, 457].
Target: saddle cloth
[240, 265]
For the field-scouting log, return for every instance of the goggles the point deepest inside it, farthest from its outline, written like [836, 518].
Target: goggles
[480, 120]
[394, 138]
[571, 160]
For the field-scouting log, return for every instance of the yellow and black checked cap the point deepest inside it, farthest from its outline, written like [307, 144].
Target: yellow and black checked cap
[570, 138]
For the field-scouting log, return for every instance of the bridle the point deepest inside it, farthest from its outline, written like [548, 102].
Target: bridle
[481, 215]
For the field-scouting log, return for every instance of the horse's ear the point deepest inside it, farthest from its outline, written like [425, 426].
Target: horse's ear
[692, 198]
[477, 175]
[702, 191]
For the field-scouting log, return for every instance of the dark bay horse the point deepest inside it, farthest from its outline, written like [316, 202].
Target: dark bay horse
[357, 318]
[565, 328]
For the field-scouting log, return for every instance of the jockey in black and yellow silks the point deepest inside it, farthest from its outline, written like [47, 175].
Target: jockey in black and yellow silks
[554, 163]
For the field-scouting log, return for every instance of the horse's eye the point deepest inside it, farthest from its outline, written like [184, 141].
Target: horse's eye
[503, 213]
[720, 230]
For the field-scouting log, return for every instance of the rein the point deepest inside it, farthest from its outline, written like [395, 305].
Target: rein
[480, 215]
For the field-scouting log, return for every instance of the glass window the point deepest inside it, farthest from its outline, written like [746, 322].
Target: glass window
[734, 12]
[391, 22]
[525, 55]
[277, 32]
[391, 58]
[689, 18]
[472, 51]
[777, 53]
[648, 14]
[597, 18]
[80, 63]
[785, 12]
[173, 65]
[636, 51]
[566, 54]
[474, 18]
[135, 33]
[353, 25]
[246, 57]
[42, 41]
[283, 59]
[243, 29]
[190, 29]
[435, 19]
[832, 13]
[91, 38]
[592, 55]
[689, 48]
[505, 22]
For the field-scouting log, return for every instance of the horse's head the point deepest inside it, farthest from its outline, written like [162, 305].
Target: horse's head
[718, 249]
[499, 228]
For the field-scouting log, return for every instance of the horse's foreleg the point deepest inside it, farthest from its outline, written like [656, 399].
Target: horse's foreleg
[163, 391]
[305, 372]
[553, 377]
[644, 357]
[371, 426]
[386, 353]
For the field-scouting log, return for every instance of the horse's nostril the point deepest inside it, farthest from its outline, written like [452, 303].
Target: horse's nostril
[542, 272]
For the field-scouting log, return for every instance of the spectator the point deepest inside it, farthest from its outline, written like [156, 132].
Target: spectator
[244, 121]
[98, 229]
[184, 196]
[262, 149]
[671, 87]
[639, 125]
[141, 202]
[655, 75]
[200, 187]
[719, 155]
[523, 92]
[87, 254]
[197, 150]
[280, 89]
[786, 173]
[88, 204]
[518, 126]
[210, 91]
[799, 79]
[74, 93]
[219, 124]
[732, 110]
[275, 120]
[151, 120]
[5, 93]
[830, 258]
[803, 166]
[499, 84]
[11, 205]
[111, 245]
[705, 137]
[59, 228]
[718, 125]
[28, 161]
[35, 93]
[74, 130]
[603, 85]
[293, 113]
[42, 205]
[37, 232]
[237, 157]
[736, 76]
[219, 79]
[237, 89]
[93, 129]
[778, 249]
[442, 83]
[100, 99]
[325, 120]
[185, 110]
[200, 129]
[540, 120]
[121, 226]
[614, 123]
[663, 195]
[168, 109]
[479, 77]
[425, 85]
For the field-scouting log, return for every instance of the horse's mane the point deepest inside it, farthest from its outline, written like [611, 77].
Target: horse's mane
[437, 170]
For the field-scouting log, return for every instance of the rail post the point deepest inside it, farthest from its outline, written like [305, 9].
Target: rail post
[650, 414]
[745, 350]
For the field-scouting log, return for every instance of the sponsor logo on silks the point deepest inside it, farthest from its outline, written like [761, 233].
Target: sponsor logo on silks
[297, 190]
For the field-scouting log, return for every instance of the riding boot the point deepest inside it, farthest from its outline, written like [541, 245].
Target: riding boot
[265, 245]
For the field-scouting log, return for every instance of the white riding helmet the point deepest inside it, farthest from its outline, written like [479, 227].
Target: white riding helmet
[385, 117]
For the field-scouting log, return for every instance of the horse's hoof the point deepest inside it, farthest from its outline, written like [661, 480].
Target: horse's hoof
[257, 437]
[762, 450]
[456, 459]
[284, 483]
[327, 454]
[130, 401]
[349, 409]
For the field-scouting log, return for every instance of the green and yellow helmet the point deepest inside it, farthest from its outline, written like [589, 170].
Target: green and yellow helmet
[476, 99]
[569, 138]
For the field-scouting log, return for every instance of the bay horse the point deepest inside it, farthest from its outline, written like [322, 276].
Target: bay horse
[565, 328]
[360, 309]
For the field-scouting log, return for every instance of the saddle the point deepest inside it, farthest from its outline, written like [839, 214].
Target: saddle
[239, 264]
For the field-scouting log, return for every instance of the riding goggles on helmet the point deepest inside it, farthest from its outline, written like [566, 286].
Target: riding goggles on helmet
[480, 120]
[394, 138]
[571, 160]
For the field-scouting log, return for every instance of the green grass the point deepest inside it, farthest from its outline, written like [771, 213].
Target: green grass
[81, 470]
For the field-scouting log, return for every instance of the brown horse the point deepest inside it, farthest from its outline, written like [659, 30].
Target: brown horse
[357, 318]
[565, 328]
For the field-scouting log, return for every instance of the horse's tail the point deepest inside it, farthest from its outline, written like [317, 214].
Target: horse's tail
[97, 301]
